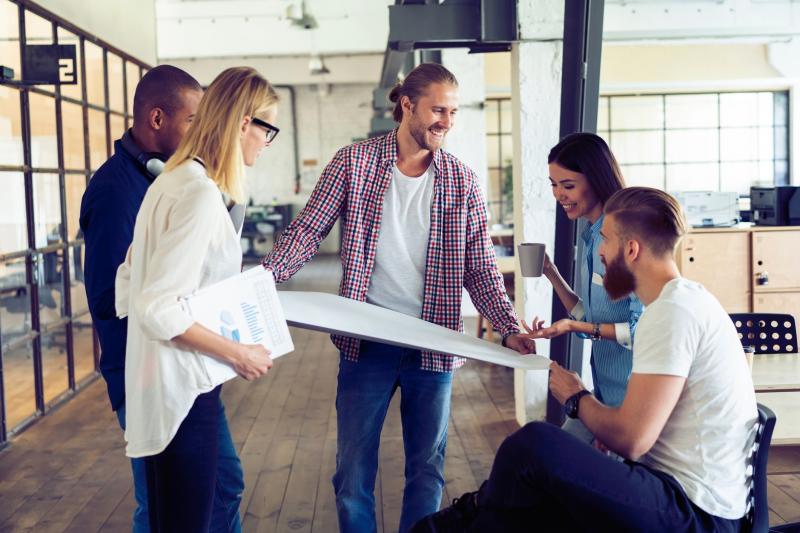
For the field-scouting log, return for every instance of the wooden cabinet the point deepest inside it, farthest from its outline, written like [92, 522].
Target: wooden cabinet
[748, 269]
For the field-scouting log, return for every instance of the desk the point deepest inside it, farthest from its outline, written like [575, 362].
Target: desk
[777, 382]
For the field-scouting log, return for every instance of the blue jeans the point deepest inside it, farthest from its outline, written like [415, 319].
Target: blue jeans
[363, 394]
[141, 522]
[227, 492]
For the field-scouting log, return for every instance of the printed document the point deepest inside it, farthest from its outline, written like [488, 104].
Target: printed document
[244, 308]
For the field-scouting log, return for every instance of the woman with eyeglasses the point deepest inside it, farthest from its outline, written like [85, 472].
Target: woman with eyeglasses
[184, 240]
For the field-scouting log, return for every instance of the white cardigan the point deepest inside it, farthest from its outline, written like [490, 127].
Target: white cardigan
[183, 240]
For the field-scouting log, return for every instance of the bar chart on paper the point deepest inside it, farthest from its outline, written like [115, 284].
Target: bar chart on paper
[245, 309]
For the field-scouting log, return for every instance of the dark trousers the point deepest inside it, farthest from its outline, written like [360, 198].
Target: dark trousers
[546, 479]
[181, 479]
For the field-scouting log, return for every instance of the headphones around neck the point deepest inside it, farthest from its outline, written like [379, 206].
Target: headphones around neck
[152, 163]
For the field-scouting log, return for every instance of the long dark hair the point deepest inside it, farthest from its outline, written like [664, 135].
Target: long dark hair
[588, 154]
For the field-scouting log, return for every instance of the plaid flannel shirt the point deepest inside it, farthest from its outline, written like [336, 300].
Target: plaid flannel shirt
[460, 252]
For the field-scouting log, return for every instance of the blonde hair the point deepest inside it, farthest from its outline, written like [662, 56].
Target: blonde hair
[214, 135]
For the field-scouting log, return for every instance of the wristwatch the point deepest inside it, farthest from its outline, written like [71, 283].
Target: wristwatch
[596, 332]
[571, 405]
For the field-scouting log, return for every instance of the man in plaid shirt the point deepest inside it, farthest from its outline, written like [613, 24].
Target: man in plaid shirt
[413, 234]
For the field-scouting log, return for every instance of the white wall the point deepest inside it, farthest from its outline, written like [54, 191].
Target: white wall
[130, 26]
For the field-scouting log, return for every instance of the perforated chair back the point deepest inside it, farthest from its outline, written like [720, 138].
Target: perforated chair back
[767, 332]
[757, 506]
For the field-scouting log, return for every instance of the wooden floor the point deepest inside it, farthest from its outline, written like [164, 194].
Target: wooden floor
[68, 472]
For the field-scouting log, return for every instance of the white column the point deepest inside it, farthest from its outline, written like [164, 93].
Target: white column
[536, 100]
[467, 139]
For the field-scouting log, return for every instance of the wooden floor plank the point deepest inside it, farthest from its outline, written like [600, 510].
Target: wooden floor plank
[68, 471]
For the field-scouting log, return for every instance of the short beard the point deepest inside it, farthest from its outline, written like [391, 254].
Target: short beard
[419, 132]
[619, 281]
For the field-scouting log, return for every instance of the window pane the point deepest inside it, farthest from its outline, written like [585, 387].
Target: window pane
[38, 31]
[692, 177]
[691, 111]
[494, 194]
[692, 145]
[637, 146]
[50, 285]
[506, 124]
[44, 148]
[72, 131]
[116, 91]
[740, 176]
[47, 209]
[13, 220]
[77, 289]
[84, 346]
[506, 150]
[75, 184]
[739, 144]
[738, 109]
[20, 395]
[602, 114]
[72, 91]
[780, 102]
[492, 116]
[781, 142]
[132, 73]
[644, 175]
[636, 112]
[117, 123]
[766, 109]
[95, 89]
[9, 29]
[492, 151]
[55, 374]
[15, 301]
[766, 172]
[97, 138]
[10, 127]
[766, 143]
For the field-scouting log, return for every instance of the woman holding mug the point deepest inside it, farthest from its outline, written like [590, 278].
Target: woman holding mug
[184, 240]
[583, 175]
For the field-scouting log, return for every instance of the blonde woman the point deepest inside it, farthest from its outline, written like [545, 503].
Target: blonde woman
[184, 240]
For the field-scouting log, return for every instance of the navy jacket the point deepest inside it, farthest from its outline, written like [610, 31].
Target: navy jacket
[108, 214]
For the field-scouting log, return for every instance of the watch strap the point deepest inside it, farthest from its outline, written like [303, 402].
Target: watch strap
[574, 401]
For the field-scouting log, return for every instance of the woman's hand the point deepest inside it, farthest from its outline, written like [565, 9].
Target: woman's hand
[252, 361]
[537, 331]
[549, 268]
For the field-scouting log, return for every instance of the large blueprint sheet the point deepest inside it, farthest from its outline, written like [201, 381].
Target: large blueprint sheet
[334, 314]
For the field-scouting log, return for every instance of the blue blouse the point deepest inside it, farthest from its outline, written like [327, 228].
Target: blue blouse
[611, 361]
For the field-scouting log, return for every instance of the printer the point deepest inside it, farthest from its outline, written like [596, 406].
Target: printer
[708, 208]
[775, 206]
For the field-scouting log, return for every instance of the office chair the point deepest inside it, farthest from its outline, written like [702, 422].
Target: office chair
[769, 333]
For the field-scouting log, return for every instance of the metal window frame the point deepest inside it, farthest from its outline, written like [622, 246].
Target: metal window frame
[32, 254]
[664, 163]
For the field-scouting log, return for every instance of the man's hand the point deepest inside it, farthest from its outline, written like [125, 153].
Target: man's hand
[521, 343]
[563, 383]
[536, 331]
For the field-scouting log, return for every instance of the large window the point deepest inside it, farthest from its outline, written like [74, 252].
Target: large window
[699, 142]
[51, 140]
[499, 156]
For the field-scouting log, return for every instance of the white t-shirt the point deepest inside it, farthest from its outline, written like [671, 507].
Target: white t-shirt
[398, 277]
[706, 441]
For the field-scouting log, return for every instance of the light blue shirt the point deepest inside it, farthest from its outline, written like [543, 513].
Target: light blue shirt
[611, 361]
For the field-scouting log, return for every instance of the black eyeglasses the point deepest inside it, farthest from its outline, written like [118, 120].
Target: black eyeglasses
[272, 131]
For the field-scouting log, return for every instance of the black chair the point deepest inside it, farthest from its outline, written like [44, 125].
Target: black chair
[757, 505]
[769, 333]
